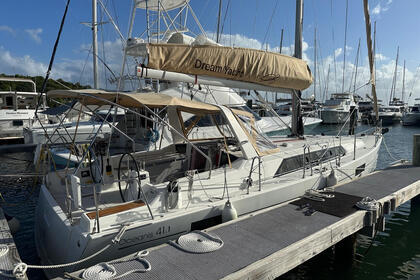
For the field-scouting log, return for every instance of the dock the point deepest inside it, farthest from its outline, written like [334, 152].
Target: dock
[10, 256]
[271, 242]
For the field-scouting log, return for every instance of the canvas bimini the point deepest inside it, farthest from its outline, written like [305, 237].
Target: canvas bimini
[201, 159]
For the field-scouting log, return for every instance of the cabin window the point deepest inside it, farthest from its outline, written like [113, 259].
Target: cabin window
[9, 100]
[208, 126]
[360, 169]
[17, 123]
[259, 140]
[296, 162]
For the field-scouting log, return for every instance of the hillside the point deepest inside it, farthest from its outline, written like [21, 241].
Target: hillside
[51, 84]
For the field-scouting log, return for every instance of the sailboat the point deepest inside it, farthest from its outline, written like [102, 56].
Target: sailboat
[120, 203]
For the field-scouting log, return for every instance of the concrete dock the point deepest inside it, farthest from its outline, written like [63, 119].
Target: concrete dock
[269, 243]
[8, 257]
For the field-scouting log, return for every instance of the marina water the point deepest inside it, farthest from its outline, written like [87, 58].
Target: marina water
[393, 254]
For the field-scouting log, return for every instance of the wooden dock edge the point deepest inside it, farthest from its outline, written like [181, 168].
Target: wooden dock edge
[290, 257]
[12, 257]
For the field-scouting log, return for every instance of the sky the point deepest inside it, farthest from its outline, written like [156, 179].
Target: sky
[28, 30]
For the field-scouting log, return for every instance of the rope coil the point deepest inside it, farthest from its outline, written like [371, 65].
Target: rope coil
[198, 242]
[4, 249]
[106, 271]
[368, 203]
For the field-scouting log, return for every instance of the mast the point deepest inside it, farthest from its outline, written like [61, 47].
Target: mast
[218, 21]
[403, 85]
[326, 84]
[371, 57]
[345, 42]
[394, 79]
[297, 125]
[95, 43]
[357, 64]
[281, 40]
[315, 65]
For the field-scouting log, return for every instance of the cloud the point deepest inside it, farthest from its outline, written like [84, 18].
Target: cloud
[34, 34]
[10, 64]
[379, 8]
[7, 29]
[380, 57]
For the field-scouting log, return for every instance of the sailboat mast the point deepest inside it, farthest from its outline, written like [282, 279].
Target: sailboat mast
[371, 57]
[315, 64]
[394, 80]
[403, 85]
[297, 125]
[345, 43]
[218, 21]
[326, 84]
[357, 64]
[281, 40]
[95, 43]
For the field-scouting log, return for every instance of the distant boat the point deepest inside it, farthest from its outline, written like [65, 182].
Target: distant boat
[337, 109]
[389, 115]
[412, 117]
[17, 109]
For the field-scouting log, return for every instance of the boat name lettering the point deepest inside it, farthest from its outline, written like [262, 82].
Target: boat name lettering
[217, 68]
[144, 236]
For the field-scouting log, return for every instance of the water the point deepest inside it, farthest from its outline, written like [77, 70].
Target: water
[393, 254]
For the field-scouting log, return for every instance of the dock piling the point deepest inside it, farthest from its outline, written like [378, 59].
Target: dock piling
[416, 149]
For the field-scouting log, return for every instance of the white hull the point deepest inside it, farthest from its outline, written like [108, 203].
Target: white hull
[65, 133]
[53, 226]
[12, 122]
[272, 125]
[411, 119]
[334, 116]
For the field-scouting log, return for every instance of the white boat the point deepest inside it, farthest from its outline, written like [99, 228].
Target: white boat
[157, 202]
[17, 109]
[389, 115]
[337, 109]
[119, 204]
[412, 116]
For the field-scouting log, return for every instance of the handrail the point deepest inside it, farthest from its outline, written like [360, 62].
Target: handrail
[251, 170]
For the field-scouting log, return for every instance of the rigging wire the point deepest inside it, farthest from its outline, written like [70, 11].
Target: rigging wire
[269, 25]
[416, 75]
[345, 45]
[224, 19]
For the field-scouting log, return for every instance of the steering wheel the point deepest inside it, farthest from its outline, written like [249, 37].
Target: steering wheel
[124, 175]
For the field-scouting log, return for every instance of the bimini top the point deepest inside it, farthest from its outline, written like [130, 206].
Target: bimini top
[134, 100]
[240, 64]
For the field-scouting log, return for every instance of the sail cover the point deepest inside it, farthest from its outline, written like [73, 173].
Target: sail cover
[248, 65]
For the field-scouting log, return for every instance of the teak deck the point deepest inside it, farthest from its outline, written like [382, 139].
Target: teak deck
[269, 243]
[116, 209]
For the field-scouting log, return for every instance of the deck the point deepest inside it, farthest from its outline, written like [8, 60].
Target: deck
[271, 242]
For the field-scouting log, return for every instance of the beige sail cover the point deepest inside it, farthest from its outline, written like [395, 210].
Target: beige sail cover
[248, 65]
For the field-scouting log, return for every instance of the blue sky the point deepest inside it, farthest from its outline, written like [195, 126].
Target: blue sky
[27, 36]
